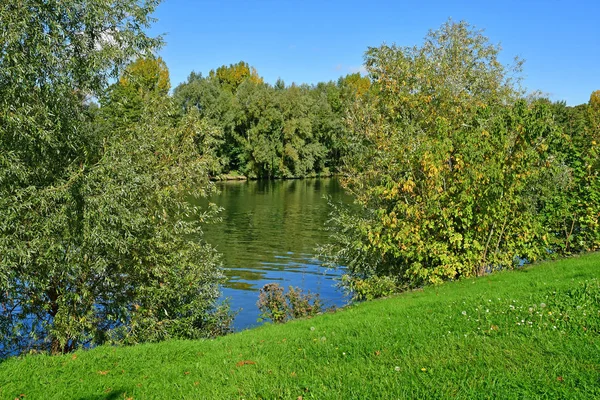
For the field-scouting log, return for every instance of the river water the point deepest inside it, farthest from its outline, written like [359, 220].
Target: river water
[269, 233]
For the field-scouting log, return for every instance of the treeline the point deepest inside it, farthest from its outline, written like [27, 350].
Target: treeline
[272, 131]
[255, 130]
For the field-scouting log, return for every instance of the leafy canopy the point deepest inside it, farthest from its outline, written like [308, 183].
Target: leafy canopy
[271, 131]
[97, 240]
[448, 167]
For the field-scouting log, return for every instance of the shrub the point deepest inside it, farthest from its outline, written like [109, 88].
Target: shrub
[280, 307]
[272, 303]
[370, 288]
[302, 305]
[449, 168]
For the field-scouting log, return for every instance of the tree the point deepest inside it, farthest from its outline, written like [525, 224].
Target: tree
[233, 75]
[595, 100]
[572, 215]
[302, 152]
[446, 164]
[97, 239]
[354, 85]
[268, 132]
[146, 76]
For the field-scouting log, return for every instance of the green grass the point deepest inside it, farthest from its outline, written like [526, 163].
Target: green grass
[531, 333]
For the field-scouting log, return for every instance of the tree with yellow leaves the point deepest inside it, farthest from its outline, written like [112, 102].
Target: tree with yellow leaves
[233, 75]
[448, 164]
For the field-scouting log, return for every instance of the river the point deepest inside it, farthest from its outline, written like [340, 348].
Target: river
[269, 233]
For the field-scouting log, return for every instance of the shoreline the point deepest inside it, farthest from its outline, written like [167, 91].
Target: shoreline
[244, 178]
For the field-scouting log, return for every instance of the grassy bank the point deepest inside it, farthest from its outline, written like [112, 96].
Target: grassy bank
[522, 334]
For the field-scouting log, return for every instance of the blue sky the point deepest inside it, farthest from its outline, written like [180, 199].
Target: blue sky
[313, 41]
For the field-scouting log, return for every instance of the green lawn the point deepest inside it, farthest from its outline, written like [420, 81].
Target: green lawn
[530, 333]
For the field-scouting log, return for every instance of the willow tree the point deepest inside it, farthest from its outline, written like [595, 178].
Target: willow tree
[446, 163]
[97, 242]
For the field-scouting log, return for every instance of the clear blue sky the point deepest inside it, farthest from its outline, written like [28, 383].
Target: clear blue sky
[313, 41]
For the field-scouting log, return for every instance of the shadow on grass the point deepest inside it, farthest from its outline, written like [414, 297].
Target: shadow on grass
[111, 395]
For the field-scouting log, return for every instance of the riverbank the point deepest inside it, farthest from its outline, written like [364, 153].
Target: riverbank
[527, 333]
[235, 176]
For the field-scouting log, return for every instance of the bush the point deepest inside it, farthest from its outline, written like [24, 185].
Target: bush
[448, 182]
[370, 288]
[280, 307]
[272, 303]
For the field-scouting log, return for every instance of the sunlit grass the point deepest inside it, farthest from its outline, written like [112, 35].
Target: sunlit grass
[523, 334]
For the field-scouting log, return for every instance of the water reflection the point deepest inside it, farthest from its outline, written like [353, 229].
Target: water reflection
[269, 232]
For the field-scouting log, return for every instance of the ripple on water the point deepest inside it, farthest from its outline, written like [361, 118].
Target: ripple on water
[269, 232]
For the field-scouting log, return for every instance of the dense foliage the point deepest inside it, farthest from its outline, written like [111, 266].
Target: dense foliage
[454, 174]
[98, 242]
[573, 216]
[272, 131]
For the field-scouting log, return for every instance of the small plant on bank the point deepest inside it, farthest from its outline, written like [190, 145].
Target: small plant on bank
[279, 307]
[272, 303]
[302, 305]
